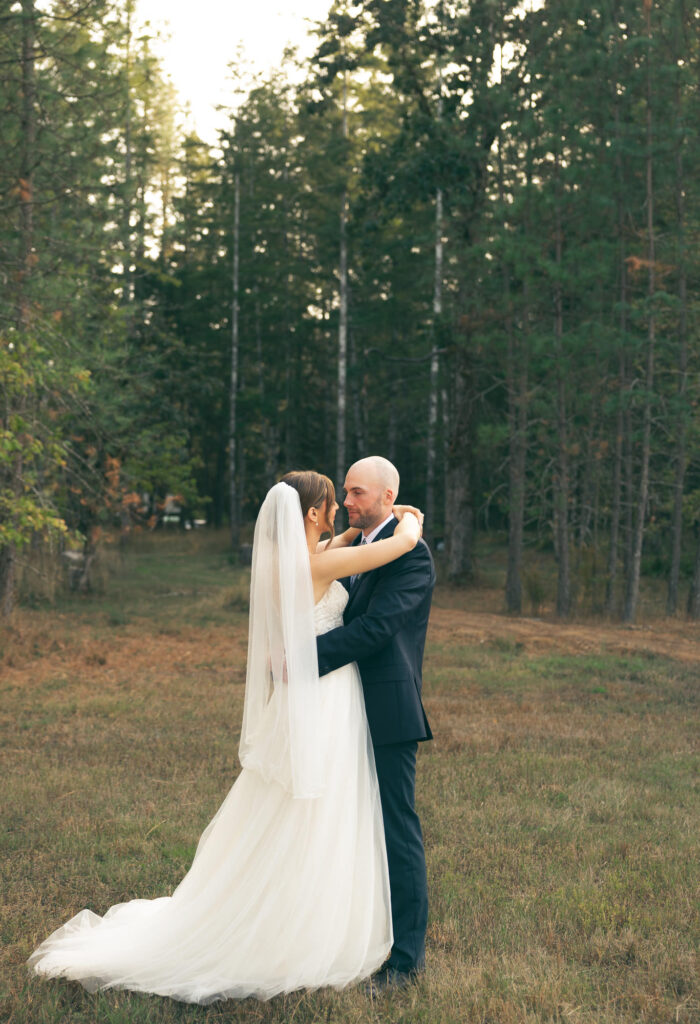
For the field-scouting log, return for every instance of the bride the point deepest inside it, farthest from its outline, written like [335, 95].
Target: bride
[289, 885]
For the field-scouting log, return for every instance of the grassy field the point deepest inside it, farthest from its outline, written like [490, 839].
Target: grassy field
[559, 802]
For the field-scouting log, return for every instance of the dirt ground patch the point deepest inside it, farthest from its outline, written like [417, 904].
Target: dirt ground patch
[129, 654]
[670, 638]
[138, 650]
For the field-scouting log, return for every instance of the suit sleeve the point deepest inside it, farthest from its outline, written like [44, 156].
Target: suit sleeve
[394, 602]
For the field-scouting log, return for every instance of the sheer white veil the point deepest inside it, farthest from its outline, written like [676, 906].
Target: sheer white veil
[281, 734]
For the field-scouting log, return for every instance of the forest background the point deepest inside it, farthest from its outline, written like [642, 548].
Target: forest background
[463, 235]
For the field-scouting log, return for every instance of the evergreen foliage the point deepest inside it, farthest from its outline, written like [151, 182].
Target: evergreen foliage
[511, 188]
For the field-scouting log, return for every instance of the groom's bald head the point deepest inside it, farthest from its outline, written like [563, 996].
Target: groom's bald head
[379, 469]
[372, 486]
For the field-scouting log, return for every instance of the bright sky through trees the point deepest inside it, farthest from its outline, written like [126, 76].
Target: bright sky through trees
[201, 38]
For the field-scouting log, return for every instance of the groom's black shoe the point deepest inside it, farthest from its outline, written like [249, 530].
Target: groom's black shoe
[389, 979]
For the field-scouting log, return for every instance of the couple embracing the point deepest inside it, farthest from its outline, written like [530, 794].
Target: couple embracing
[312, 872]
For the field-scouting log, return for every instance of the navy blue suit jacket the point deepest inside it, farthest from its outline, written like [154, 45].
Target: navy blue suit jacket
[386, 618]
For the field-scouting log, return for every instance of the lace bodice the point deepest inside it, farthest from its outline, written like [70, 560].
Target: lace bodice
[328, 612]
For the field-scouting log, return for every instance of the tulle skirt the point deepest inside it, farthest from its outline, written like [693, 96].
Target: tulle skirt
[282, 893]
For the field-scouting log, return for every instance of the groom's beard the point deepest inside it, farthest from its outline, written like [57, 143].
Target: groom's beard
[367, 520]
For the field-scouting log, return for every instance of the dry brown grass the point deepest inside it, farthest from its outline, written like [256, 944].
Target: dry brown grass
[671, 637]
[559, 801]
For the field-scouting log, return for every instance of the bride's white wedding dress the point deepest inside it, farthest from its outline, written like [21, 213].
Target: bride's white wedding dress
[283, 893]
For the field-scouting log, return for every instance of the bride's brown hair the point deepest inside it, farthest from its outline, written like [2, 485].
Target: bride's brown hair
[315, 491]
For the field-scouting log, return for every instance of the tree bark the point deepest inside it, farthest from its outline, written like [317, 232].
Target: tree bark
[629, 464]
[694, 594]
[233, 394]
[459, 513]
[434, 376]
[269, 434]
[561, 497]
[292, 374]
[128, 290]
[392, 431]
[340, 456]
[27, 155]
[7, 579]
[340, 451]
[359, 400]
[616, 502]
[681, 423]
[632, 592]
[26, 227]
[588, 482]
[516, 384]
[517, 446]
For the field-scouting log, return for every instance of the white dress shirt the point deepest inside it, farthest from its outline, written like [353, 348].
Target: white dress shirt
[367, 538]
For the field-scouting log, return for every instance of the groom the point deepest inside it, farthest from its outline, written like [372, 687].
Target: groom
[386, 618]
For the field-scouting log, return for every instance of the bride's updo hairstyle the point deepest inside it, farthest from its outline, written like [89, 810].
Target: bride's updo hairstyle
[315, 490]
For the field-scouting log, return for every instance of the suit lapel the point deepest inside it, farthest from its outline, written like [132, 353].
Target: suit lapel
[346, 579]
[361, 585]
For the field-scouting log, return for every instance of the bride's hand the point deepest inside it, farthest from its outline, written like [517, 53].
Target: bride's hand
[409, 526]
[400, 511]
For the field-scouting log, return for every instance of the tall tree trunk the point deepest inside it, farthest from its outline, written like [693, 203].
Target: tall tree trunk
[359, 400]
[26, 240]
[340, 450]
[459, 511]
[27, 156]
[680, 460]
[233, 394]
[629, 465]
[694, 594]
[516, 384]
[596, 603]
[269, 431]
[632, 591]
[128, 288]
[561, 496]
[7, 579]
[681, 422]
[431, 455]
[396, 385]
[616, 503]
[217, 512]
[445, 420]
[340, 466]
[587, 488]
[292, 372]
[517, 448]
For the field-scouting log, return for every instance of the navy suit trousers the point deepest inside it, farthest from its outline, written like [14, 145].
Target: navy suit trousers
[396, 772]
